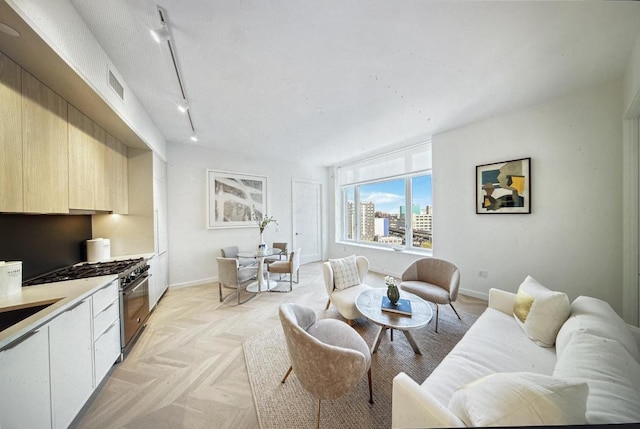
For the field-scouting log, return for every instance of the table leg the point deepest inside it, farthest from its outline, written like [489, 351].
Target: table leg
[412, 342]
[376, 341]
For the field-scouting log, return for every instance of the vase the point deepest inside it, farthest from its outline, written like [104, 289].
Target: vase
[393, 294]
[262, 246]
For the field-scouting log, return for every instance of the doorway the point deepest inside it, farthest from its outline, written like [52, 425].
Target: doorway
[307, 219]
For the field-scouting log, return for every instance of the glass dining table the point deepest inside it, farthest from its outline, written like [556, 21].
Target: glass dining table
[262, 284]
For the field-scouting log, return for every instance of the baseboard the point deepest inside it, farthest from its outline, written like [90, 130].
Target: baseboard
[474, 294]
[194, 283]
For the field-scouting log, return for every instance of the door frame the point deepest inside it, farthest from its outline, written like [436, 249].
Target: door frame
[630, 213]
[319, 224]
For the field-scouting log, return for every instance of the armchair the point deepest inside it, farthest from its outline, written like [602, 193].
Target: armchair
[434, 280]
[345, 299]
[328, 357]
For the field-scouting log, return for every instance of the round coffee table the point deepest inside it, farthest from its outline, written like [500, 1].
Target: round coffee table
[369, 303]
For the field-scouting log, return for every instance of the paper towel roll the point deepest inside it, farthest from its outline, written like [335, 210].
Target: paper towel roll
[98, 250]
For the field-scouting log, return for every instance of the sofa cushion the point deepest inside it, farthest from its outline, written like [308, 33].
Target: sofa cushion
[596, 317]
[519, 399]
[540, 311]
[345, 272]
[612, 374]
[494, 343]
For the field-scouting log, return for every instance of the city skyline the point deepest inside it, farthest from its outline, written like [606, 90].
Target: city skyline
[389, 196]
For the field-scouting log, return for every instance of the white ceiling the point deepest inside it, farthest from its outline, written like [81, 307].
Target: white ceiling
[327, 80]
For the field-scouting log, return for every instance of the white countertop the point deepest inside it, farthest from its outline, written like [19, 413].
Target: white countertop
[62, 294]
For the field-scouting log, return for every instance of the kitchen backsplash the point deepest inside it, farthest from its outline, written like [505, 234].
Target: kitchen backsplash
[43, 242]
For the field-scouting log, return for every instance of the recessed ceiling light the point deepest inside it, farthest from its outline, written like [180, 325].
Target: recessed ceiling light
[7, 29]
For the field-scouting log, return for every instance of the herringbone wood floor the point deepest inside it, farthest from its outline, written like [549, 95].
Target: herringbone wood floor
[187, 370]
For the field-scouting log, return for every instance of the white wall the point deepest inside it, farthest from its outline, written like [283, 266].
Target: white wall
[572, 239]
[193, 247]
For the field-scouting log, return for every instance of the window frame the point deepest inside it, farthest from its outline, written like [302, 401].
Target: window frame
[408, 219]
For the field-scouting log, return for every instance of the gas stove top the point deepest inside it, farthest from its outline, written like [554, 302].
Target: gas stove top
[122, 268]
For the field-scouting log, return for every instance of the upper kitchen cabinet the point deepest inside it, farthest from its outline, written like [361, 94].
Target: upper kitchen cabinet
[45, 148]
[10, 136]
[90, 164]
[120, 176]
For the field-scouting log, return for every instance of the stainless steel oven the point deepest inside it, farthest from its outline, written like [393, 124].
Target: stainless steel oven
[133, 279]
[134, 301]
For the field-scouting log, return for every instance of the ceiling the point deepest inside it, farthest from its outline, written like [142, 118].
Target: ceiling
[327, 80]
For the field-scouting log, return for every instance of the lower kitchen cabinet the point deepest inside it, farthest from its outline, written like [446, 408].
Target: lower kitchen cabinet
[48, 374]
[70, 350]
[106, 330]
[25, 400]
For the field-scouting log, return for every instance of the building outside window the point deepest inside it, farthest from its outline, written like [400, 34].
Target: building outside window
[382, 218]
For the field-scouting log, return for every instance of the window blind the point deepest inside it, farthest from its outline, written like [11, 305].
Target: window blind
[402, 162]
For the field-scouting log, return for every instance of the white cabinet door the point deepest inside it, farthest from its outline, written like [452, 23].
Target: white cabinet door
[107, 350]
[70, 341]
[24, 382]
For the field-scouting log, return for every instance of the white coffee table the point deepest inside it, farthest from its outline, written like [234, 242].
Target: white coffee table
[369, 303]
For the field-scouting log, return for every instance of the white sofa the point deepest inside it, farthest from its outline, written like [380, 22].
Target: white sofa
[593, 345]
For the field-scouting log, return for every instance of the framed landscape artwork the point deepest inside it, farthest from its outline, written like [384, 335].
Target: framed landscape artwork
[504, 187]
[233, 197]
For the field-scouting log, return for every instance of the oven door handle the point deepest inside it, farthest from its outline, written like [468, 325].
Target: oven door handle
[131, 289]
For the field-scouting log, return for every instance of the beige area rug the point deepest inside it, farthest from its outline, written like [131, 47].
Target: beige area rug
[290, 406]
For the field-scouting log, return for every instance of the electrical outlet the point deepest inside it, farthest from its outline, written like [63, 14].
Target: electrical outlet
[483, 273]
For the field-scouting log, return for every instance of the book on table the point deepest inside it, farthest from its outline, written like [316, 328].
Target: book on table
[403, 306]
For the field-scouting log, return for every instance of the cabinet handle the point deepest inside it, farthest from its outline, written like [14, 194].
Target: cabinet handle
[19, 341]
[76, 305]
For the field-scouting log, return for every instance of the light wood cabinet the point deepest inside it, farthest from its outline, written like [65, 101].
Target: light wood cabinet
[10, 136]
[53, 157]
[120, 176]
[45, 148]
[97, 167]
[81, 160]
[103, 166]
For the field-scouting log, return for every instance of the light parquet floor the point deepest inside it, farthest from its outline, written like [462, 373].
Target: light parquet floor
[187, 369]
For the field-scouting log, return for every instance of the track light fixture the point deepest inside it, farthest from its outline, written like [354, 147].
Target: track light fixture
[183, 106]
[161, 34]
[194, 138]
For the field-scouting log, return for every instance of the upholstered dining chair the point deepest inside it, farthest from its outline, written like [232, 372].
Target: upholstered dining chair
[342, 293]
[328, 356]
[231, 275]
[290, 267]
[282, 247]
[232, 252]
[434, 280]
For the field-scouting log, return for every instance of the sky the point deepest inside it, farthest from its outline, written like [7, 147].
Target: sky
[389, 196]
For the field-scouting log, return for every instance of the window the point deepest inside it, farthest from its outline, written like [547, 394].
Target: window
[396, 210]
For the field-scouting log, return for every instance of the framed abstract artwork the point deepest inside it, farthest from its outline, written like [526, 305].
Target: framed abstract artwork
[504, 187]
[233, 197]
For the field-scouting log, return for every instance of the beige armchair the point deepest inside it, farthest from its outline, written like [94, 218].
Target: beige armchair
[231, 275]
[345, 300]
[288, 267]
[328, 357]
[434, 280]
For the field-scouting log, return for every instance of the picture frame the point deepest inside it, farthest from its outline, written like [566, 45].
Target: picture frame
[504, 187]
[232, 198]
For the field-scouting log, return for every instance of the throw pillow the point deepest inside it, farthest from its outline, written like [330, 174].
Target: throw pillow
[345, 272]
[520, 399]
[613, 376]
[540, 312]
